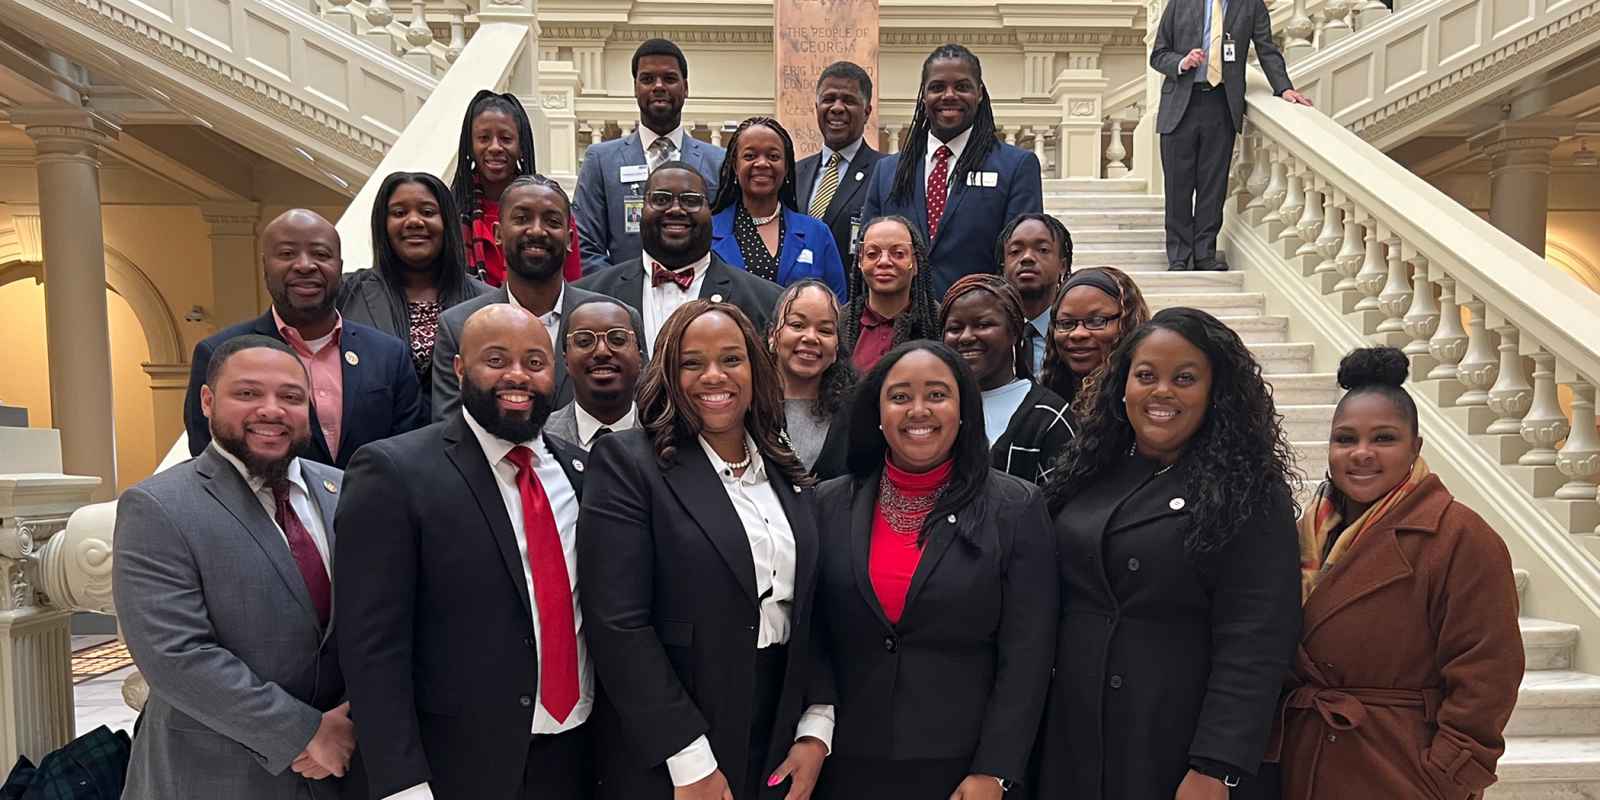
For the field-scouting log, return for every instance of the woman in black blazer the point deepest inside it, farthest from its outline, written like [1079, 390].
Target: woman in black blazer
[1028, 425]
[936, 601]
[1177, 548]
[697, 555]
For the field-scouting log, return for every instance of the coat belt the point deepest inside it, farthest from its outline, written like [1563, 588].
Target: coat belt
[1345, 708]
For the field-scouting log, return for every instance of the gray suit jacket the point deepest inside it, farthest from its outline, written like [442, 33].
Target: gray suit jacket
[447, 342]
[599, 204]
[563, 424]
[1182, 29]
[218, 619]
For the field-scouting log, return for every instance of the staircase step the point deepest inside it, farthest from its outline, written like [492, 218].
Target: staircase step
[1311, 457]
[1220, 304]
[1521, 576]
[1305, 423]
[1086, 239]
[1557, 703]
[1126, 257]
[1055, 202]
[1548, 768]
[1096, 185]
[1161, 281]
[1259, 330]
[1116, 218]
[1548, 644]
[1304, 388]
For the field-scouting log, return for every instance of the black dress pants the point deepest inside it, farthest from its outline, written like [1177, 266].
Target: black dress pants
[1195, 158]
[559, 767]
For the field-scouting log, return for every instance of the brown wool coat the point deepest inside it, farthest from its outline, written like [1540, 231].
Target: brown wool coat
[1409, 661]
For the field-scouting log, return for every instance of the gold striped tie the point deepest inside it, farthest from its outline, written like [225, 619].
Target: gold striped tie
[825, 190]
[1214, 47]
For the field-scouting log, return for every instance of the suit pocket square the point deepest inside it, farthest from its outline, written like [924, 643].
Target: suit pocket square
[804, 257]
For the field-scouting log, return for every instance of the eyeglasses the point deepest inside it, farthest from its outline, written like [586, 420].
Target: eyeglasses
[688, 201]
[1068, 324]
[584, 341]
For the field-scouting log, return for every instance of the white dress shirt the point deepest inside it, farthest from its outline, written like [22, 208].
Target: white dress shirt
[588, 426]
[956, 144]
[648, 137]
[847, 155]
[299, 499]
[660, 301]
[772, 550]
[564, 505]
[552, 318]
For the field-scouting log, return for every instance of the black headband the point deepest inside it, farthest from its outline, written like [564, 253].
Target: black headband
[1097, 279]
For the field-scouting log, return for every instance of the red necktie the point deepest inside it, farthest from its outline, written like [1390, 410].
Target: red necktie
[659, 275]
[306, 557]
[552, 592]
[938, 189]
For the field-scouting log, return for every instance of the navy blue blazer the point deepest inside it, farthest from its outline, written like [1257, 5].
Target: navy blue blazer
[807, 250]
[974, 216]
[600, 206]
[380, 389]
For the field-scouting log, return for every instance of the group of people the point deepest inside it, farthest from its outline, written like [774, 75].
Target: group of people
[644, 494]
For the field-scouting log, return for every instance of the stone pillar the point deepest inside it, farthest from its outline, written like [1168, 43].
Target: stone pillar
[235, 264]
[1078, 93]
[1146, 142]
[523, 80]
[1519, 177]
[77, 332]
[590, 59]
[558, 101]
[1038, 73]
[168, 385]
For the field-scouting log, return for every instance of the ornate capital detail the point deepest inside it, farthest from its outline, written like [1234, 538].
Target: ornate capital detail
[1081, 108]
[553, 100]
[560, 31]
[695, 35]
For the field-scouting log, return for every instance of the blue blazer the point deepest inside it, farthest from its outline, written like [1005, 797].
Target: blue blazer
[601, 202]
[380, 389]
[807, 250]
[974, 216]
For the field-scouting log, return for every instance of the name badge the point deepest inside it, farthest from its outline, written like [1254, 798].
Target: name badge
[1228, 51]
[987, 179]
[855, 233]
[805, 256]
[632, 212]
[633, 173]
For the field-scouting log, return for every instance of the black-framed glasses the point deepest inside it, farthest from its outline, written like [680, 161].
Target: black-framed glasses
[1095, 323]
[688, 201]
[584, 341]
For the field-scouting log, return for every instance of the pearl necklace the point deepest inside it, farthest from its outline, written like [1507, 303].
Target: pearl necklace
[740, 466]
[767, 220]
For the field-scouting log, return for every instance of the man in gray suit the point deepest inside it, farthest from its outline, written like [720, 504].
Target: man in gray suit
[533, 233]
[223, 585]
[605, 353]
[610, 201]
[1201, 48]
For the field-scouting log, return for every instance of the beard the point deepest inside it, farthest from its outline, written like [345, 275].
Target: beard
[535, 270]
[481, 403]
[271, 469]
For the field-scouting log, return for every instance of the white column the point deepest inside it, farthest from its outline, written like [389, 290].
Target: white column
[77, 333]
[235, 265]
[1519, 178]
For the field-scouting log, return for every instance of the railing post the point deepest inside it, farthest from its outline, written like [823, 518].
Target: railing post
[1260, 174]
[1422, 318]
[1078, 93]
[1115, 151]
[1545, 424]
[1370, 278]
[1329, 236]
[1512, 394]
[1347, 262]
[1579, 458]
[1448, 345]
[458, 35]
[558, 101]
[1293, 205]
[1481, 364]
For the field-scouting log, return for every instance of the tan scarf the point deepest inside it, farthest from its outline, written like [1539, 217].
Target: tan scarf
[1322, 518]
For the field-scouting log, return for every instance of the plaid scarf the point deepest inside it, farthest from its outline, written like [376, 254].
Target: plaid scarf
[1322, 519]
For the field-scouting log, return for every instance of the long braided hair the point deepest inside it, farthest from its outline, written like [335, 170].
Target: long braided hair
[980, 144]
[465, 187]
[728, 191]
[920, 320]
[1010, 305]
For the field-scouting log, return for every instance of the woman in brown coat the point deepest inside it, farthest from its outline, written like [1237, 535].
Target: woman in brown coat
[1410, 656]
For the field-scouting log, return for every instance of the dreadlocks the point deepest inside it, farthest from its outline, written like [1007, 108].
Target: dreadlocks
[920, 320]
[980, 144]
[1058, 232]
[465, 188]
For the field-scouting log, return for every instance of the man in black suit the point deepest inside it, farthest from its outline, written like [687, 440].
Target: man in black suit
[363, 387]
[1200, 47]
[533, 233]
[460, 634]
[678, 265]
[834, 193]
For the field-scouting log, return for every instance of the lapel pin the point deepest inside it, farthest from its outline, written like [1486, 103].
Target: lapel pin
[351, 358]
[1176, 504]
[796, 489]
[326, 484]
[951, 519]
[577, 464]
[858, 176]
[716, 298]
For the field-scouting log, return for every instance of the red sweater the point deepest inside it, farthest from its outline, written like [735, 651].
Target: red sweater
[483, 248]
[894, 556]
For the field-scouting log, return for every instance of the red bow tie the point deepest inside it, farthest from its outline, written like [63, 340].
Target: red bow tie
[659, 275]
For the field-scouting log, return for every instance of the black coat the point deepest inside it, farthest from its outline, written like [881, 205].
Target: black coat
[755, 296]
[1158, 662]
[435, 624]
[843, 215]
[671, 613]
[1037, 434]
[965, 671]
[368, 298]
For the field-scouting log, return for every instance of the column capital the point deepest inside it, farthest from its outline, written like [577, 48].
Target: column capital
[64, 129]
[1537, 136]
[30, 237]
[167, 376]
[231, 219]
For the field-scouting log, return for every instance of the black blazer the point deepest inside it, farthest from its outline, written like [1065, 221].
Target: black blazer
[1035, 437]
[1160, 661]
[670, 611]
[753, 295]
[381, 397]
[964, 674]
[843, 216]
[368, 298]
[1182, 29]
[435, 625]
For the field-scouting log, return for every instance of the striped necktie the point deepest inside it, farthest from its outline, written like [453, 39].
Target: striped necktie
[826, 187]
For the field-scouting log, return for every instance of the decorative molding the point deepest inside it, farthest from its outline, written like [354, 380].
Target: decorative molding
[130, 283]
[1582, 25]
[553, 100]
[631, 35]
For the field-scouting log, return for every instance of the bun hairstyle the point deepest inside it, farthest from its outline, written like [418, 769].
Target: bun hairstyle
[1382, 371]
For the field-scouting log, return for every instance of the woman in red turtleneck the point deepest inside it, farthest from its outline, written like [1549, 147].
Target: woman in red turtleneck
[936, 594]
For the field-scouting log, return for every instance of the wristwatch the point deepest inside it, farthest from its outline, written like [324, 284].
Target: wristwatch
[1215, 770]
[1005, 785]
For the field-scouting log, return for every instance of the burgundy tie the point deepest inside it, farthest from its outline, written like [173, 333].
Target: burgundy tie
[552, 592]
[938, 189]
[659, 275]
[305, 554]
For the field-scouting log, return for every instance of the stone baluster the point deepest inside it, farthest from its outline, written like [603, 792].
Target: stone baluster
[1243, 169]
[1276, 190]
[1395, 296]
[1309, 226]
[597, 132]
[1422, 318]
[1331, 235]
[1448, 345]
[337, 13]
[1336, 24]
[891, 140]
[1370, 12]
[1579, 458]
[458, 35]
[379, 14]
[1374, 269]
[1006, 134]
[1545, 424]
[1512, 394]
[1039, 133]
[1297, 33]
[418, 34]
[1293, 205]
[1347, 262]
[1481, 364]
[1115, 151]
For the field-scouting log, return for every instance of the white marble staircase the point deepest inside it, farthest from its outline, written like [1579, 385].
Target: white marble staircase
[1553, 739]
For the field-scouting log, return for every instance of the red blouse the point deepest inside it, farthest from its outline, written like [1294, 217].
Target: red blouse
[875, 338]
[483, 248]
[893, 556]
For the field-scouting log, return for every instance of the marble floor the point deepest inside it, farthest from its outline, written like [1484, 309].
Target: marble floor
[98, 701]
